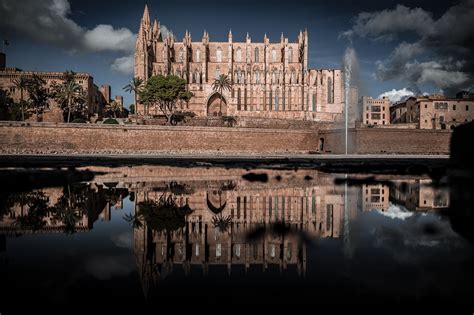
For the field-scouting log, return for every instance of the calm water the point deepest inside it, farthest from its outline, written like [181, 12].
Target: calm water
[146, 234]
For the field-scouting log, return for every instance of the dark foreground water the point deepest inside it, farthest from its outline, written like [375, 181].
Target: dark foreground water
[142, 235]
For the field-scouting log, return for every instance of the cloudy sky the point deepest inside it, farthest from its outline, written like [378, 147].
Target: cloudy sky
[403, 47]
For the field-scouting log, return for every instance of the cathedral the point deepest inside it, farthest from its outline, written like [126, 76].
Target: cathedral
[269, 79]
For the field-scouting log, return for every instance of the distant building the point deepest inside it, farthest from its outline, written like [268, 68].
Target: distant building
[106, 92]
[435, 111]
[375, 111]
[119, 100]
[53, 113]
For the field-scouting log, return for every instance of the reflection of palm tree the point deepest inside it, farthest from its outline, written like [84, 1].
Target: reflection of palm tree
[222, 223]
[134, 219]
[69, 210]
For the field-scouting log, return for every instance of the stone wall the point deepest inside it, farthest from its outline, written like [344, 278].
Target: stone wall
[101, 139]
[390, 141]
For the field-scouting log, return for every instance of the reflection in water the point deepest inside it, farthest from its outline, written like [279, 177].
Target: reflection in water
[185, 220]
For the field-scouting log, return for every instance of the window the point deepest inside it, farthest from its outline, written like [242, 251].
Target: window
[257, 77]
[467, 107]
[293, 77]
[441, 105]
[274, 77]
[198, 55]
[256, 54]
[454, 107]
[330, 92]
[375, 116]
[245, 99]
[290, 54]
[426, 105]
[314, 102]
[218, 72]
[218, 55]
[376, 109]
[238, 105]
[163, 55]
[274, 55]
[277, 99]
[238, 55]
[181, 55]
[270, 100]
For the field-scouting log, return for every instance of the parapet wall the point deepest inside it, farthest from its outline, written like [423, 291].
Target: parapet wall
[44, 138]
[47, 138]
[385, 140]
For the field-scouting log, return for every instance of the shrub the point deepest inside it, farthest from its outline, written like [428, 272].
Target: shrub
[78, 121]
[111, 121]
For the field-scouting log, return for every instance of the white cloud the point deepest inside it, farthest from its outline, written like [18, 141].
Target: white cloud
[123, 65]
[105, 37]
[396, 212]
[441, 50]
[397, 95]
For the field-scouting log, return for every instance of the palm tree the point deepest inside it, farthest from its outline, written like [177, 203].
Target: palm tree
[135, 86]
[114, 107]
[21, 83]
[70, 91]
[220, 85]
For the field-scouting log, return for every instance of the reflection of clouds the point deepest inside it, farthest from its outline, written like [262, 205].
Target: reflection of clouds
[105, 267]
[123, 240]
[396, 212]
[406, 240]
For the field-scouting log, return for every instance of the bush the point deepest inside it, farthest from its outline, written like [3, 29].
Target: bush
[111, 121]
[78, 121]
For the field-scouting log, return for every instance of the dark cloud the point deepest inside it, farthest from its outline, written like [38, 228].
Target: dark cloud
[440, 54]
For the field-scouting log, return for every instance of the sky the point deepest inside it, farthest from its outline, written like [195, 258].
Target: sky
[402, 47]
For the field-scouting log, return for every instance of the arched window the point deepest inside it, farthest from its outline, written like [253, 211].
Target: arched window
[238, 55]
[198, 55]
[257, 77]
[163, 55]
[256, 54]
[274, 55]
[290, 54]
[219, 54]
[277, 99]
[274, 77]
[293, 77]
[270, 100]
[181, 55]
[239, 107]
[218, 72]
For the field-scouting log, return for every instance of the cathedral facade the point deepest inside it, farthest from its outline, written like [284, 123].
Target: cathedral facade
[269, 79]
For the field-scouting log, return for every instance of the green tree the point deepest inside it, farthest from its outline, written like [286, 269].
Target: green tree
[69, 95]
[135, 86]
[38, 94]
[165, 92]
[131, 108]
[220, 85]
[21, 83]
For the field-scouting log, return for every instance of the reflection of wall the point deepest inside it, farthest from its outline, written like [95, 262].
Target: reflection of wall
[419, 194]
[375, 197]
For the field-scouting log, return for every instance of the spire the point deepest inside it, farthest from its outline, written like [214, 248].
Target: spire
[282, 37]
[146, 16]
[230, 35]
[156, 28]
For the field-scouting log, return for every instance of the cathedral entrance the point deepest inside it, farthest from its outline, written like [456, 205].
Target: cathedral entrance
[216, 106]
